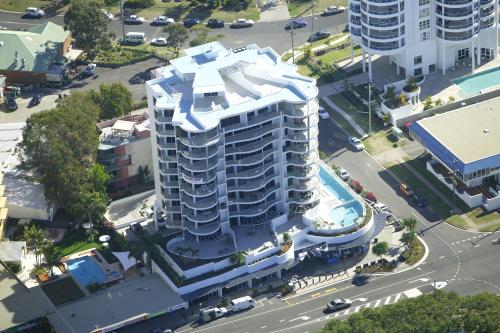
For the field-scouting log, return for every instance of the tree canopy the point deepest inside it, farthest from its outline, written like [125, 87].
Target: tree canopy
[113, 99]
[177, 35]
[60, 147]
[431, 313]
[88, 24]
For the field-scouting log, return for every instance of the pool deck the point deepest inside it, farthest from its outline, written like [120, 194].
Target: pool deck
[106, 267]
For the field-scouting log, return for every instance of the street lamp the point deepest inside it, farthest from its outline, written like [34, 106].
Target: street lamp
[291, 34]
[369, 108]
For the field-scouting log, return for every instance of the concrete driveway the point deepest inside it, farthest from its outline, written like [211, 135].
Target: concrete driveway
[24, 111]
[132, 76]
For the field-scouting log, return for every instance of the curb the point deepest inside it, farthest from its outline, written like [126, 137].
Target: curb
[13, 12]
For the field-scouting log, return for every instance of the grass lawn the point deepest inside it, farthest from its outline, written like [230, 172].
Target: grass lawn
[21, 5]
[380, 141]
[63, 291]
[297, 7]
[339, 119]
[181, 10]
[338, 55]
[123, 54]
[321, 42]
[74, 241]
[457, 221]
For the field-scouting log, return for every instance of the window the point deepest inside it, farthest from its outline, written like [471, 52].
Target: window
[424, 24]
[417, 71]
[208, 94]
[417, 60]
[425, 36]
[424, 12]
[423, 2]
[432, 68]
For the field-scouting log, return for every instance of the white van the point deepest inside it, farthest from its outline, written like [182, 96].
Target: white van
[242, 303]
[135, 37]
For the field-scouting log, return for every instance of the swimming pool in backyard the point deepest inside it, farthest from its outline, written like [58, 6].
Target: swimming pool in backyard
[86, 270]
[471, 85]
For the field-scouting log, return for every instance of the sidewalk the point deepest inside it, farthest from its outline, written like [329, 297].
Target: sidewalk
[317, 48]
[346, 116]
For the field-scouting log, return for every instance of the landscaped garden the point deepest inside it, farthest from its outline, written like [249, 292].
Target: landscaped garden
[125, 54]
[297, 7]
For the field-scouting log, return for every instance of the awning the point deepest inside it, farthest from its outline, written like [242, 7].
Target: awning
[73, 54]
[125, 259]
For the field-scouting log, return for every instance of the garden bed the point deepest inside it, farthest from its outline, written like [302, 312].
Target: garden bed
[415, 252]
[63, 291]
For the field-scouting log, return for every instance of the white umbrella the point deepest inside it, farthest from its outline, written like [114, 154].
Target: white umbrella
[104, 238]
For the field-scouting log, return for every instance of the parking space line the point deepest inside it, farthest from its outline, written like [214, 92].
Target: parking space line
[377, 303]
[397, 298]
[387, 300]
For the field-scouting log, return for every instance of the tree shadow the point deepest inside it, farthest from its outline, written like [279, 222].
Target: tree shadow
[52, 8]
[141, 77]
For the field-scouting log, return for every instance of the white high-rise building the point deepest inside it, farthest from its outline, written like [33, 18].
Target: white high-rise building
[235, 144]
[423, 36]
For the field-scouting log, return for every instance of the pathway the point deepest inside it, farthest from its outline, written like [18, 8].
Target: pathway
[275, 13]
[346, 116]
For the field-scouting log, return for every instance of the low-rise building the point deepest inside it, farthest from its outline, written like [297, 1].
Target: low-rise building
[34, 56]
[125, 150]
[465, 149]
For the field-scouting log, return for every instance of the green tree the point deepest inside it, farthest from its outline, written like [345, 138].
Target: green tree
[144, 174]
[438, 102]
[451, 99]
[407, 238]
[59, 145]
[177, 36]
[98, 178]
[410, 223]
[380, 249]
[390, 94]
[52, 257]
[35, 240]
[114, 100]
[202, 35]
[140, 3]
[411, 84]
[428, 103]
[90, 206]
[144, 244]
[88, 25]
[308, 53]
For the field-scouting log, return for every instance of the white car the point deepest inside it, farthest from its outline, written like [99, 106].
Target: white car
[344, 175]
[134, 19]
[356, 143]
[382, 208]
[332, 10]
[162, 20]
[161, 41]
[242, 23]
[108, 15]
[34, 12]
[323, 113]
[90, 69]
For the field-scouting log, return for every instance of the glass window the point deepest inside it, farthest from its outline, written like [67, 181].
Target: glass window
[417, 60]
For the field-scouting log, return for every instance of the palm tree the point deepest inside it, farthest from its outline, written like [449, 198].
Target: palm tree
[35, 240]
[52, 257]
[380, 249]
[410, 223]
[144, 244]
[143, 174]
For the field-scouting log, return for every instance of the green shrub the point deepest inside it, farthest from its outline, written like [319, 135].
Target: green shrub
[14, 267]
[286, 289]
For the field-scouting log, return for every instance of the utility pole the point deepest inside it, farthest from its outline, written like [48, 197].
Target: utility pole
[292, 33]
[369, 108]
[312, 20]
[122, 21]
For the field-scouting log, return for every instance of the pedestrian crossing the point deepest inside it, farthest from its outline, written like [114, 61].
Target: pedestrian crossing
[374, 304]
[466, 240]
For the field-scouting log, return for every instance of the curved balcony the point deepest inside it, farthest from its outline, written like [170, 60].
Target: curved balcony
[456, 26]
[307, 185]
[251, 133]
[455, 3]
[205, 203]
[164, 169]
[165, 132]
[202, 153]
[306, 172]
[252, 159]
[251, 146]
[487, 12]
[206, 216]
[312, 145]
[199, 165]
[380, 10]
[381, 23]
[202, 230]
[257, 197]
[457, 36]
[253, 185]
[303, 159]
[200, 140]
[261, 118]
[304, 198]
[253, 172]
[198, 179]
[302, 136]
[302, 124]
[254, 211]
[203, 190]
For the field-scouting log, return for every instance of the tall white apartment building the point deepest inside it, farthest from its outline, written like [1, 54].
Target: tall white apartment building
[423, 36]
[234, 136]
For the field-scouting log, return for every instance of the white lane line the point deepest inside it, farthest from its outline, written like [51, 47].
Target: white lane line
[441, 257]
[377, 303]
[367, 305]
[263, 327]
[460, 251]
[282, 320]
[387, 300]
[397, 298]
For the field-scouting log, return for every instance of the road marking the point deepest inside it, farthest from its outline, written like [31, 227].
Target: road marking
[356, 309]
[316, 295]
[397, 298]
[460, 251]
[282, 320]
[441, 257]
[367, 305]
[422, 280]
[331, 290]
[304, 318]
[377, 303]
[263, 327]
[361, 299]
[346, 312]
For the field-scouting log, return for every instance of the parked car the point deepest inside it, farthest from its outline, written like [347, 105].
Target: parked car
[242, 303]
[161, 41]
[419, 201]
[162, 20]
[242, 23]
[338, 304]
[108, 15]
[319, 35]
[356, 143]
[295, 24]
[90, 69]
[323, 113]
[3, 27]
[406, 189]
[209, 314]
[11, 103]
[189, 22]
[381, 208]
[134, 19]
[215, 23]
[34, 12]
[332, 10]
[360, 279]
[35, 100]
[136, 228]
[344, 175]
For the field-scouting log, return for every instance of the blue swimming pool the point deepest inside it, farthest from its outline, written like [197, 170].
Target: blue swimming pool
[347, 213]
[473, 84]
[86, 270]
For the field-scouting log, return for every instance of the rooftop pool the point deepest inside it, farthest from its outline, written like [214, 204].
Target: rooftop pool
[471, 85]
[338, 209]
[87, 271]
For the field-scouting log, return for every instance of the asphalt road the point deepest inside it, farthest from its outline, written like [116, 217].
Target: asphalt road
[263, 34]
[453, 260]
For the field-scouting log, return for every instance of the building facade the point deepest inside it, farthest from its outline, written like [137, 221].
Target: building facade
[424, 36]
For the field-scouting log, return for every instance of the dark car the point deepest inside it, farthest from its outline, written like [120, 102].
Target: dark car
[319, 35]
[11, 103]
[188, 23]
[136, 228]
[360, 279]
[338, 304]
[295, 24]
[35, 100]
[215, 23]
[417, 200]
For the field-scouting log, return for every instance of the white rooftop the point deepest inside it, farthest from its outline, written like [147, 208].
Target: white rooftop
[243, 81]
